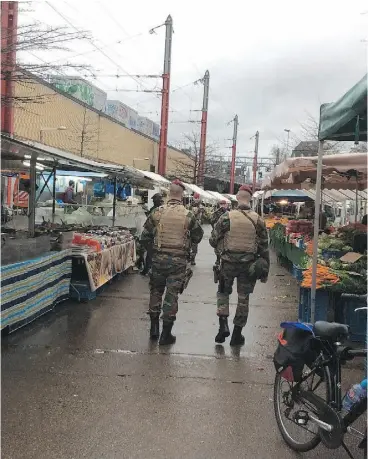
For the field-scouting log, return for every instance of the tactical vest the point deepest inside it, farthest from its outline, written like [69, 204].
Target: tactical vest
[242, 237]
[172, 230]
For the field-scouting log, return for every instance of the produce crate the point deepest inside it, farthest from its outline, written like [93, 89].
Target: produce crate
[357, 321]
[324, 307]
[297, 273]
[327, 254]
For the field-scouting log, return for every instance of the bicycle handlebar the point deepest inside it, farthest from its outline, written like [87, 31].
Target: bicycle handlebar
[357, 353]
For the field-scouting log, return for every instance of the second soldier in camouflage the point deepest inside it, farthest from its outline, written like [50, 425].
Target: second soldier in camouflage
[242, 236]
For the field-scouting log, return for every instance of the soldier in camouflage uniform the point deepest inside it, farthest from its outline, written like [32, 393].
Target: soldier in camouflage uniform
[223, 207]
[172, 229]
[158, 201]
[197, 211]
[243, 239]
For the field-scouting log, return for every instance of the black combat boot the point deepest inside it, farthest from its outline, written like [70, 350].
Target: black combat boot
[155, 327]
[224, 331]
[192, 261]
[237, 339]
[166, 336]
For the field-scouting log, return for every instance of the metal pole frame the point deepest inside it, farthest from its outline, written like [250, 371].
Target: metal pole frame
[114, 202]
[356, 198]
[53, 194]
[32, 196]
[316, 230]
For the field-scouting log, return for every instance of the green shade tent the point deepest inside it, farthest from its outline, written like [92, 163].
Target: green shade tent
[346, 119]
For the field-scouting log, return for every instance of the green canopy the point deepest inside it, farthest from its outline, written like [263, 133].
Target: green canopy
[346, 119]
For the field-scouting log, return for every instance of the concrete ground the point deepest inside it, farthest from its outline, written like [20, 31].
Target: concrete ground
[84, 381]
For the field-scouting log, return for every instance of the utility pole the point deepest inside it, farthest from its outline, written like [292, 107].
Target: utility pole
[165, 97]
[202, 147]
[287, 142]
[255, 163]
[233, 157]
[9, 24]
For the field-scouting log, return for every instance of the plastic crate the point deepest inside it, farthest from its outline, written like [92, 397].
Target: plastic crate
[297, 273]
[81, 291]
[327, 254]
[323, 305]
[357, 321]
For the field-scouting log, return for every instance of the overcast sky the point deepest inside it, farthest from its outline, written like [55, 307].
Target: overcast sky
[270, 62]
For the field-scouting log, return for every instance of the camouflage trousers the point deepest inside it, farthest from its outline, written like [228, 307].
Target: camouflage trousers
[194, 251]
[245, 286]
[167, 274]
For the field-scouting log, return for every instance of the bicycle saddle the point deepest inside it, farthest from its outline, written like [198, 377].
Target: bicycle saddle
[330, 330]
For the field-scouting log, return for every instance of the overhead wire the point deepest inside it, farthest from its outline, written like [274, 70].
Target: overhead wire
[92, 42]
[100, 49]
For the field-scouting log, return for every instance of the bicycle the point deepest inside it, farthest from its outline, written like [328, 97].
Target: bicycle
[320, 417]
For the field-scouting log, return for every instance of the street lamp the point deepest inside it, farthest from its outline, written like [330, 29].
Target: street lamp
[42, 130]
[287, 142]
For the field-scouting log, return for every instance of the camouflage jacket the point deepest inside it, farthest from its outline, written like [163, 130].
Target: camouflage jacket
[149, 229]
[216, 215]
[223, 226]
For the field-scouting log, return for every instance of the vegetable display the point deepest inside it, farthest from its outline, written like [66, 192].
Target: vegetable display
[325, 277]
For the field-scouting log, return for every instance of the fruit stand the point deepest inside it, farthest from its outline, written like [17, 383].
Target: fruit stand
[339, 269]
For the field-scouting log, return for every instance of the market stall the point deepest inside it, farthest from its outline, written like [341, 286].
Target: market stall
[52, 284]
[344, 120]
[98, 256]
[31, 288]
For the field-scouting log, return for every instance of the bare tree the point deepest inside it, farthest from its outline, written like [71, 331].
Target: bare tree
[31, 38]
[86, 133]
[279, 154]
[362, 147]
[189, 170]
[309, 131]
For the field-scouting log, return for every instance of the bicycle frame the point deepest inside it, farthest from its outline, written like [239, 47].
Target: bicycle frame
[338, 354]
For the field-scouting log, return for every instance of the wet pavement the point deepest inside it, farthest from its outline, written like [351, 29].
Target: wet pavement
[85, 382]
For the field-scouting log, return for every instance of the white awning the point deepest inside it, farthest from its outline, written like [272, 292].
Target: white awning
[156, 178]
[205, 196]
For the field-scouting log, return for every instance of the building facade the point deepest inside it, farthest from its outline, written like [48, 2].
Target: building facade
[89, 132]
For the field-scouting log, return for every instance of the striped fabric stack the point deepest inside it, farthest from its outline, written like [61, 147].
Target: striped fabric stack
[31, 288]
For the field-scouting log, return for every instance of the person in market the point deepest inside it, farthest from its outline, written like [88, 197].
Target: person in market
[158, 201]
[69, 194]
[197, 210]
[241, 236]
[222, 208]
[171, 229]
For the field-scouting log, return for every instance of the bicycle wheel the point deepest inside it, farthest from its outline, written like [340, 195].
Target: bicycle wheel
[298, 437]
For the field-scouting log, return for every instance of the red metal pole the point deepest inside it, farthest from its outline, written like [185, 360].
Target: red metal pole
[233, 157]
[9, 23]
[162, 150]
[202, 148]
[164, 124]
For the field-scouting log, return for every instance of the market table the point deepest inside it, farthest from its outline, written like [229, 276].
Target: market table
[32, 287]
[92, 270]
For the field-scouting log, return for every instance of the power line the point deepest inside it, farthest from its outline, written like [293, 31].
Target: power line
[107, 12]
[91, 41]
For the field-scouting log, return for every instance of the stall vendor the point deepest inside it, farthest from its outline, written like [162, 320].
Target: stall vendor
[69, 195]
